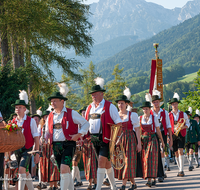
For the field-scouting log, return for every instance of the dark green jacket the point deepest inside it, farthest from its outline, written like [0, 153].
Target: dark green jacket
[193, 132]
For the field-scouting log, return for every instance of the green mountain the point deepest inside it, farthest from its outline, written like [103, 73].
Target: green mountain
[179, 45]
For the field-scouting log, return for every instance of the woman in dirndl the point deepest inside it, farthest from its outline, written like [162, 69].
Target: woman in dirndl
[131, 141]
[149, 128]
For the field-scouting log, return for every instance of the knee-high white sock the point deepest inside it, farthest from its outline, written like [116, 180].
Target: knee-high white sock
[73, 172]
[100, 176]
[71, 183]
[177, 161]
[22, 181]
[190, 159]
[167, 160]
[181, 161]
[163, 164]
[6, 184]
[110, 174]
[197, 159]
[78, 177]
[39, 174]
[29, 182]
[65, 181]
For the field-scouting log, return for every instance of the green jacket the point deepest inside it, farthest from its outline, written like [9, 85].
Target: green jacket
[193, 132]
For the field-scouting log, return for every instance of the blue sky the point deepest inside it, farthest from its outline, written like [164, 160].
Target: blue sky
[170, 4]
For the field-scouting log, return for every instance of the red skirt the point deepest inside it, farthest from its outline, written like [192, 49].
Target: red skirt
[89, 160]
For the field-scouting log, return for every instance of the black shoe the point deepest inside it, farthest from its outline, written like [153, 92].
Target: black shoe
[106, 182]
[160, 179]
[181, 174]
[168, 169]
[94, 186]
[165, 176]
[149, 184]
[197, 166]
[190, 168]
[78, 184]
[58, 183]
[153, 182]
[132, 186]
[55, 188]
[123, 187]
[89, 187]
[41, 186]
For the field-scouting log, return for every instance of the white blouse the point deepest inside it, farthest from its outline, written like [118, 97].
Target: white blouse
[150, 122]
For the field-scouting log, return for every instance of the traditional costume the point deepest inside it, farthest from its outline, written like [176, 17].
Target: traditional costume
[178, 142]
[192, 137]
[29, 129]
[163, 118]
[129, 141]
[149, 145]
[99, 118]
[59, 128]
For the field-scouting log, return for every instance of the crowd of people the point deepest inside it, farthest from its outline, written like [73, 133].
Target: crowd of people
[59, 137]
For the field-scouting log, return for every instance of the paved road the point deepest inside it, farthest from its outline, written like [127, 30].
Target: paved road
[191, 181]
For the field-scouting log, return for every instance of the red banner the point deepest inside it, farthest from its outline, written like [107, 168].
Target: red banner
[159, 77]
[152, 78]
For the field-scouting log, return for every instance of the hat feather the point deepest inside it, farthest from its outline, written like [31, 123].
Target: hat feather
[148, 97]
[39, 112]
[176, 96]
[127, 93]
[50, 108]
[190, 110]
[129, 108]
[27, 111]
[156, 92]
[63, 89]
[99, 81]
[23, 96]
[197, 112]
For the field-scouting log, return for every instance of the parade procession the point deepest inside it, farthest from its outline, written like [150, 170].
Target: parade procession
[67, 123]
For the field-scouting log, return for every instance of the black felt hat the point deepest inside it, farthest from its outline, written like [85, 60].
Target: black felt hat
[146, 104]
[174, 100]
[57, 95]
[96, 88]
[45, 113]
[155, 97]
[196, 115]
[122, 98]
[20, 102]
[188, 113]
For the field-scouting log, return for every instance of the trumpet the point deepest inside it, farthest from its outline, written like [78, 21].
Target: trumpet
[178, 127]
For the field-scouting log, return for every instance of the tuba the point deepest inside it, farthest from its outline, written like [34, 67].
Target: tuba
[117, 153]
[179, 126]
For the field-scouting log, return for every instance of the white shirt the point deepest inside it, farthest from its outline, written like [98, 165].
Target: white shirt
[58, 134]
[39, 130]
[150, 122]
[95, 123]
[176, 116]
[168, 124]
[1, 115]
[33, 125]
[134, 119]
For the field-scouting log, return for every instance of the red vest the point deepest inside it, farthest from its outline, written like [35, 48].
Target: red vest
[171, 117]
[105, 119]
[27, 132]
[128, 125]
[68, 129]
[162, 114]
[144, 129]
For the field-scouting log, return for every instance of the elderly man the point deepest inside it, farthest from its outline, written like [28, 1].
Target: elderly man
[100, 113]
[175, 116]
[29, 129]
[64, 127]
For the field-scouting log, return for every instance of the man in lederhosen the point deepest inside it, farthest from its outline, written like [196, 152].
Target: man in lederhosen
[197, 144]
[178, 142]
[29, 129]
[192, 137]
[165, 127]
[99, 114]
[63, 130]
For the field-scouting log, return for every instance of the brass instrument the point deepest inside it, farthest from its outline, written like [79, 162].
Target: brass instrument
[117, 153]
[178, 127]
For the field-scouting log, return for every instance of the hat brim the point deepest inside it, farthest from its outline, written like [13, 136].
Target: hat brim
[174, 102]
[146, 106]
[103, 90]
[127, 101]
[157, 99]
[36, 115]
[57, 97]
[26, 105]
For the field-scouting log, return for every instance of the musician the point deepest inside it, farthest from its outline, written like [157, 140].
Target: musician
[62, 129]
[130, 139]
[192, 137]
[29, 129]
[99, 113]
[149, 127]
[197, 144]
[165, 128]
[178, 143]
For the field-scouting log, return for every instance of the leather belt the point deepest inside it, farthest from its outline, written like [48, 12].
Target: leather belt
[95, 116]
[57, 126]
